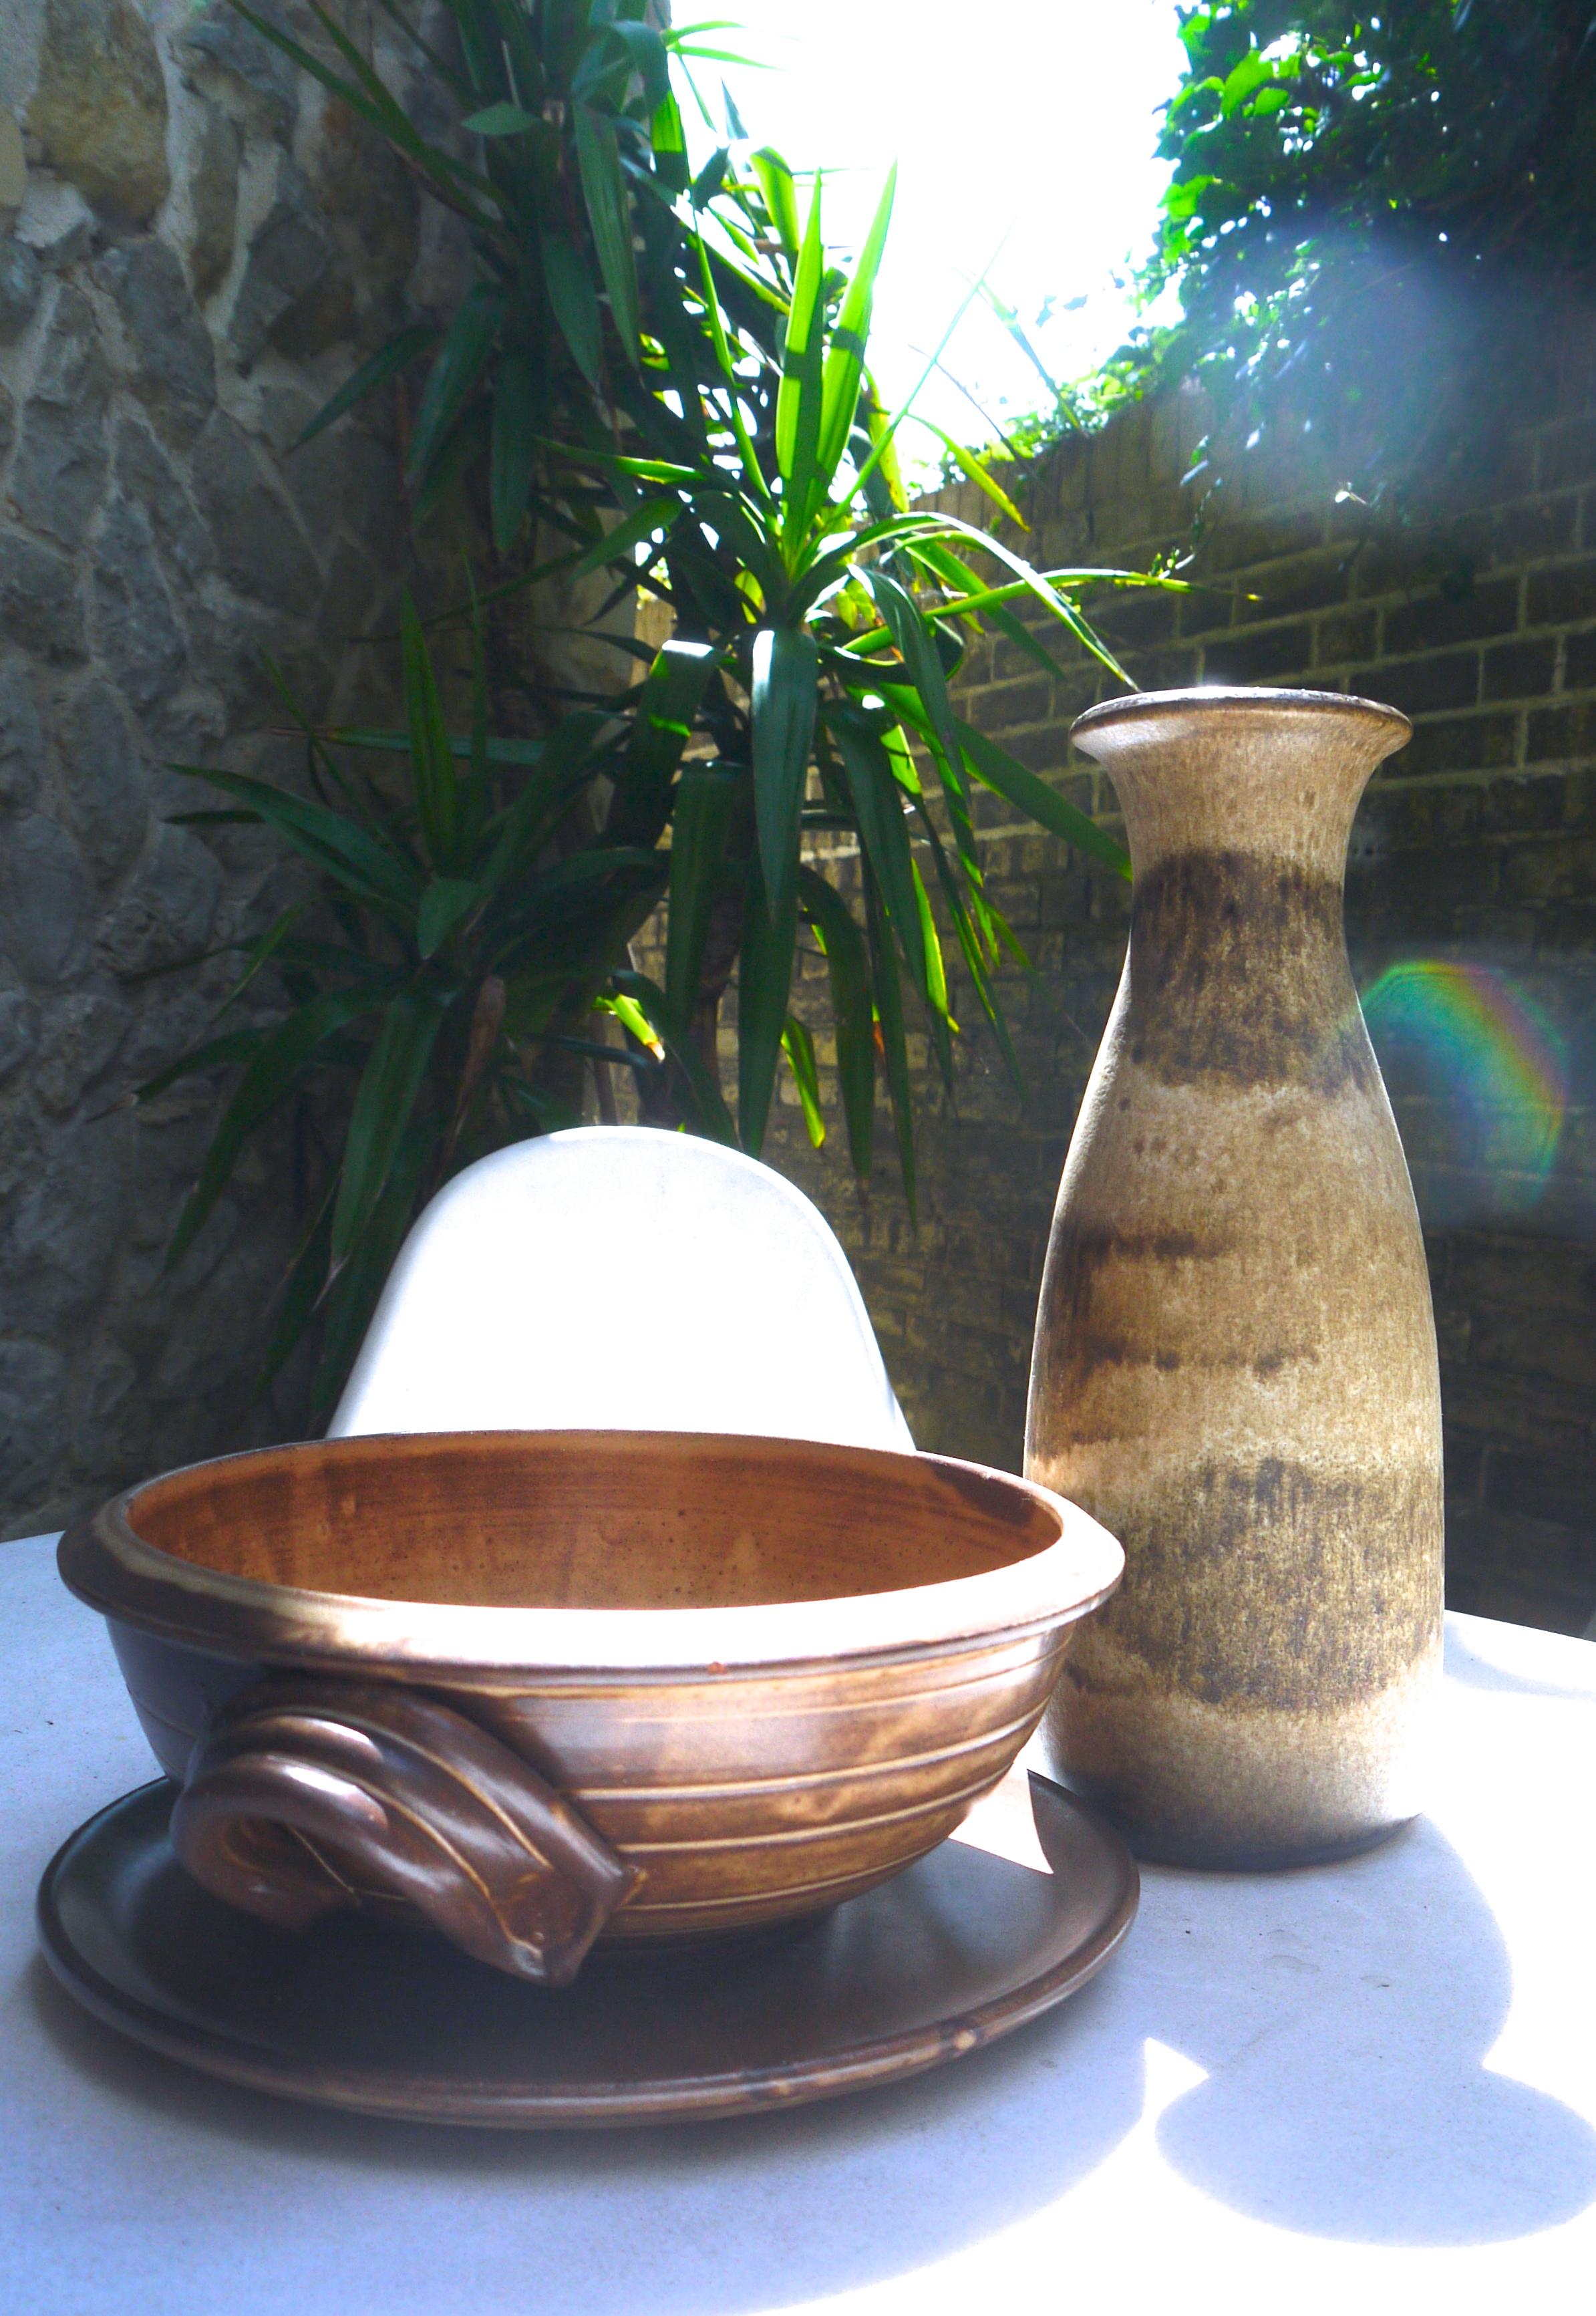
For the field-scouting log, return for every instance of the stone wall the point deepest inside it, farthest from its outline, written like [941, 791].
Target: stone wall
[1473, 874]
[194, 246]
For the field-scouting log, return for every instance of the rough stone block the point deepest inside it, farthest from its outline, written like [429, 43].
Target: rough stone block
[16, 1025]
[32, 1409]
[288, 257]
[65, 1225]
[55, 222]
[59, 474]
[368, 192]
[21, 276]
[166, 915]
[79, 1035]
[262, 550]
[220, 50]
[45, 902]
[39, 600]
[105, 786]
[213, 198]
[22, 734]
[99, 109]
[134, 626]
[150, 482]
[174, 365]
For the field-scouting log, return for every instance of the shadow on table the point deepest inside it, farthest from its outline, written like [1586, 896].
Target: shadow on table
[1475, 1670]
[1347, 2093]
[1342, 2017]
[763, 2211]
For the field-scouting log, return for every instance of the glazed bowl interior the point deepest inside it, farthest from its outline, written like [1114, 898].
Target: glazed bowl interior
[591, 1520]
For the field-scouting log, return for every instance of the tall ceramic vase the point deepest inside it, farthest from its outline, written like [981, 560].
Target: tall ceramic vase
[1235, 1365]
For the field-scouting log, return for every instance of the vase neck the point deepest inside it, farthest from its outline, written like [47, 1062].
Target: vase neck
[1275, 776]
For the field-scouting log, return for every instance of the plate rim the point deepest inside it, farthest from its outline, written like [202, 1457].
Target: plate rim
[863, 2064]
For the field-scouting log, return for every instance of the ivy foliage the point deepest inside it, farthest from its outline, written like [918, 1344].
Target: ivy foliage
[1367, 214]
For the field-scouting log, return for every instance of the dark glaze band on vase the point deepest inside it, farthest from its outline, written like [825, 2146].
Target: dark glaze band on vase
[1235, 1367]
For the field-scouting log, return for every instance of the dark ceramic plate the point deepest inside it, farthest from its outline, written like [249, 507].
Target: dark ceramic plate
[959, 1949]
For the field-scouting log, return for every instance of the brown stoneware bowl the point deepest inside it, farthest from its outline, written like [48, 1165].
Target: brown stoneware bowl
[542, 1687]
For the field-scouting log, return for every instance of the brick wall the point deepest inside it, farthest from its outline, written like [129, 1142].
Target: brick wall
[1472, 922]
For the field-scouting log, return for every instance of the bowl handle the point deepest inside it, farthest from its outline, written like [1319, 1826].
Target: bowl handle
[305, 1795]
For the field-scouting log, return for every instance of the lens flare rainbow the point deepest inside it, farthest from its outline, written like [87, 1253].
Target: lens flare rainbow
[1497, 1053]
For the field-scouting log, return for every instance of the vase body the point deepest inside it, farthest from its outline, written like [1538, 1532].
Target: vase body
[1235, 1365]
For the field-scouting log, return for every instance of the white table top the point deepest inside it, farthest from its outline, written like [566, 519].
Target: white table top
[1327, 2089]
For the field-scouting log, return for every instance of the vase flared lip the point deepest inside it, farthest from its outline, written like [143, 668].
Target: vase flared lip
[1233, 699]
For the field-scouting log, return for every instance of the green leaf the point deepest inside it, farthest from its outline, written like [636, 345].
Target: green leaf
[454, 373]
[616, 545]
[889, 1007]
[515, 448]
[631, 1016]
[669, 139]
[781, 198]
[911, 632]
[784, 696]
[798, 1045]
[396, 355]
[1022, 787]
[707, 184]
[432, 763]
[662, 721]
[936, 988]
[389, 1085]
[884, 832]
[575, 301]
[367, 95]
[300, 1293]
[753, 473]
[764, 981]
[329, 840]
[709, 1104]
[603, 190]
[852, 1013]
[565, 760]
[444, 902]
[499, 121]
[845, 364]
[215, 1053]
[701, 820]
[648, 58]
[352, 1293]
[798, 399]
[272, 1076]
[1253, 71]
[979, 474]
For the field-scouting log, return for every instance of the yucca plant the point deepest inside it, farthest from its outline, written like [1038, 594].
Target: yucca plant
[445, 943]
[758, 494]
[673, 378]
[566, 111]
[705, 427]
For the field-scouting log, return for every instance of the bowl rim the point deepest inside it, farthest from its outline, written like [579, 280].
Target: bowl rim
[105, 1562]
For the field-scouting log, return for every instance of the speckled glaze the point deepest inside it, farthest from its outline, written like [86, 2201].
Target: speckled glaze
[1235, 1368]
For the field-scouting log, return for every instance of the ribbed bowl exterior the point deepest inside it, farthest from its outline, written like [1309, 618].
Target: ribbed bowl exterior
[746, 1801]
